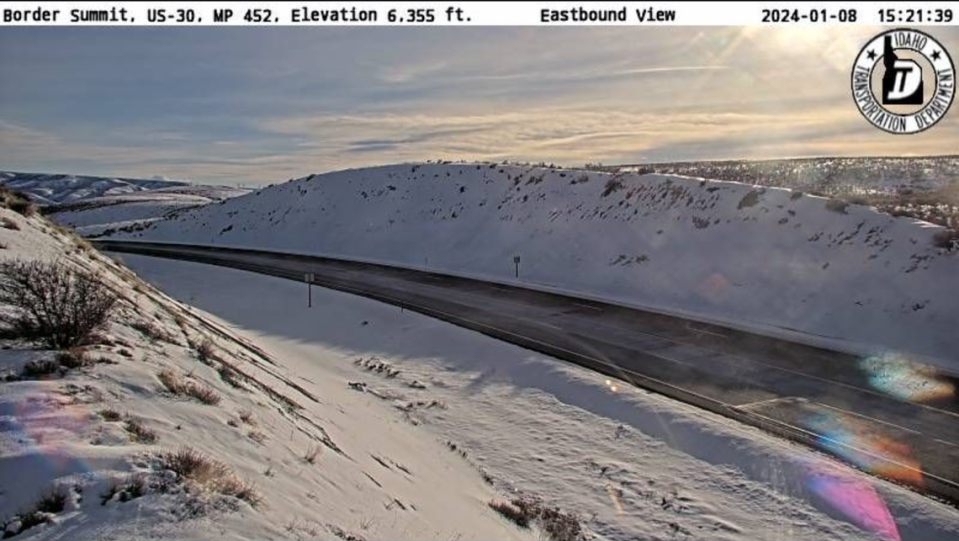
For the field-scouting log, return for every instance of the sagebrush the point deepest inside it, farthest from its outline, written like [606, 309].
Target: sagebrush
[54, 303]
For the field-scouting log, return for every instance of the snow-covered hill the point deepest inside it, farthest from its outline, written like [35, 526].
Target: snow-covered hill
[92, 205]
[838, 176]
[48, 189]
[760, 257]
[92, 217]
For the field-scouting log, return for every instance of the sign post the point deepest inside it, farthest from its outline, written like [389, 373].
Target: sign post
[516, 263]
[308, 278]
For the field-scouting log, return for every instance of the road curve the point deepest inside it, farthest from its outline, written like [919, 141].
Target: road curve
[896, 420]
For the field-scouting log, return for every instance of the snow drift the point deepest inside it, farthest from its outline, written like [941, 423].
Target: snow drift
[760, 257]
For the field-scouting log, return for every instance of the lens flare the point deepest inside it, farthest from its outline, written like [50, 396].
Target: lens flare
[890, 373]
[855, 499]
[44, 425]
[862, 445]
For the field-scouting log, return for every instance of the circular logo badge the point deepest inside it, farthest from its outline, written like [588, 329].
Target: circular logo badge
[903, 81]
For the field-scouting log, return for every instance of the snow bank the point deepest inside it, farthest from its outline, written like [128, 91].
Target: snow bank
[765, 258]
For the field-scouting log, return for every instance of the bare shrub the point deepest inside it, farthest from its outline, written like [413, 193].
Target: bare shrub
[177, 386]
[53, 501]
[134, 488]
[750, 199]
[948, 239]
[110, 415]
[560, 526]
[48, 504]
[836, 205]
[74, 358]
[204, 472]
[40, 367]
[129, 489]
[55, 304]
[613, 185]
[512, 513]
[27, 520]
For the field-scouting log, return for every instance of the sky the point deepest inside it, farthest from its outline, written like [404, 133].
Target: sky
[252, 106]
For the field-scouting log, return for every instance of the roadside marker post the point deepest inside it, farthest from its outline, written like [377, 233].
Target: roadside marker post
[516, 263]
[308, 278]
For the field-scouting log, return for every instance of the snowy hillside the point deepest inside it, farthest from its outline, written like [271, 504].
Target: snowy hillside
[838, 176]
[92, 217]
[761, 257]
[167, 424]
[48, 189]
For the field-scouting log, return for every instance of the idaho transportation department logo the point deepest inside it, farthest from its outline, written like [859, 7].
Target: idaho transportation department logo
[903, 81]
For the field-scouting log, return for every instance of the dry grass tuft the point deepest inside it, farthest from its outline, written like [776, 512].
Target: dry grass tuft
[209, 474]
[205, 350]
[247, 417]
[153, 331]
[138, 431]
[17, 202]
[312, 452]
[231, 375]
[513, 513]
[177, 386]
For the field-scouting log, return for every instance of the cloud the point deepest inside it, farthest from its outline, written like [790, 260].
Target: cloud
[261, 105]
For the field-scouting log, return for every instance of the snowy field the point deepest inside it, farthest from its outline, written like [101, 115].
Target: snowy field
[780, 261]
[630, 463]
